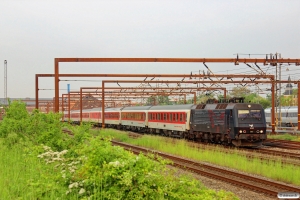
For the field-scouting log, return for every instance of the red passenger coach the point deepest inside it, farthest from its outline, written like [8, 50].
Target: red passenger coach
[169, 119]
[112, 117]
[135, 118]
[95, 115]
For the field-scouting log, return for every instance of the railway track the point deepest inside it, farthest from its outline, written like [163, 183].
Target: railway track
[282, 144]
[253, 183]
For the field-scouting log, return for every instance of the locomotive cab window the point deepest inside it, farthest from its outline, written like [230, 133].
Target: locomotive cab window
[242, 114]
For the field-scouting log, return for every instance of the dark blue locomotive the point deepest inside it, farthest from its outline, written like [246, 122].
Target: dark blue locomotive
[233, 122]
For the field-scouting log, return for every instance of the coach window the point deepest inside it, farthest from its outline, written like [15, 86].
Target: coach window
[165, 116]
[170, 117]
[181, 117]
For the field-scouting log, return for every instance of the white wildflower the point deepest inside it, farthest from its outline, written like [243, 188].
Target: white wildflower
[115, 164]
[75, 185]
[46, 148]
[63, 152]
[81, 191]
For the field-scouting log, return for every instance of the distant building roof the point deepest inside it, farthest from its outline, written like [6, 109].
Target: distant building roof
[288, 88]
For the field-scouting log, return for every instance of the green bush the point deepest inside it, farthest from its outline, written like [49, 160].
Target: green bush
[103, 171]
[39, 128]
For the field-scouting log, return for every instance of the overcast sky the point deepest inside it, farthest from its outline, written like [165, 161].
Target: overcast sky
[34, 32]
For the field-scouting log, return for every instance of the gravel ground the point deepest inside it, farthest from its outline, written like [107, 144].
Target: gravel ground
[217, 185]
[241, 193]
[284, 150]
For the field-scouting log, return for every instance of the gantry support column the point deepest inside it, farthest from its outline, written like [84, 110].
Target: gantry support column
[298, 106]
[273, 108]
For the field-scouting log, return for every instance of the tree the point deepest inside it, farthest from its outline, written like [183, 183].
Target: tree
[158, 100]
[202, 98]
[240, 92]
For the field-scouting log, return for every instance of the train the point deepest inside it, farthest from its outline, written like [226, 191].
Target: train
[231, 123]
[287, 116]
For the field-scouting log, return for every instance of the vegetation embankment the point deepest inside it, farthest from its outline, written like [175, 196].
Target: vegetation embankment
[274, 170]
[38, 161]
[285, 137]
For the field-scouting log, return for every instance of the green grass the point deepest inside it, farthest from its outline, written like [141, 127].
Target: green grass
[285, 136]
[274, 170]
[24, 176]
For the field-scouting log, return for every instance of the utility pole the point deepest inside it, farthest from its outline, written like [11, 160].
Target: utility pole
[277, 88]
[279, 91]
[5, 82]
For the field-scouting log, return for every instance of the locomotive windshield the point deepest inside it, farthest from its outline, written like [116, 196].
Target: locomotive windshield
[242, 114]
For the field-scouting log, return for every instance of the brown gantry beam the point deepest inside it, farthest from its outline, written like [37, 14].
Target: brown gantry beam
[272, 61]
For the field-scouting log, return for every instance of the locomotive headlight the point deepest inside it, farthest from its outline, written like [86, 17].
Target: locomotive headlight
[244, 131]
[261, 131]
[257, 131]
[241, 131]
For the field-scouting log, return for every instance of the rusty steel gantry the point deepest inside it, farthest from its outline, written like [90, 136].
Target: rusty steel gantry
[236, 60]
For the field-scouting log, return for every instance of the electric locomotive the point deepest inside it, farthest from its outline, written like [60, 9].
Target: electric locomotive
[233, 122]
